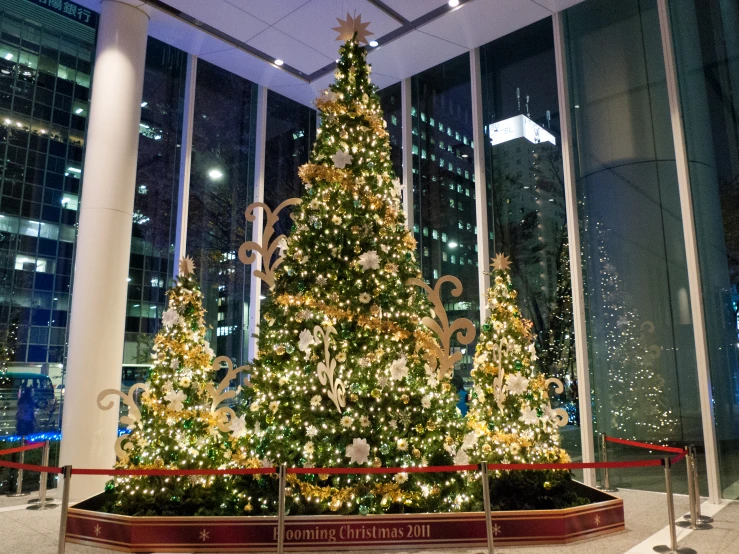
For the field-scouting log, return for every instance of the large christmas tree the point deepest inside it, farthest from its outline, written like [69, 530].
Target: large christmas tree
[510, 418]
[178, 427]
[340, 379]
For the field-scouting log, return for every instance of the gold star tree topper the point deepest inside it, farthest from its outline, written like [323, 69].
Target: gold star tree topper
[347, 27]
[187, 266]
[501, 262]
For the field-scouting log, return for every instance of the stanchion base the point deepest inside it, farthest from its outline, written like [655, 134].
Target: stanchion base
[700, 519]
[699, 526]
[42, 507]
[86, 525]
[613, 489]
[17, 494]
[663, 548]
[36, 500]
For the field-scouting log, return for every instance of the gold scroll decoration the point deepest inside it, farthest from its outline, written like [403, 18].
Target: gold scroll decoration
[122, 444]
[327, 368]
[269, 244]
[440, 357]
[562, 415]
[499, 351]
[224, 414]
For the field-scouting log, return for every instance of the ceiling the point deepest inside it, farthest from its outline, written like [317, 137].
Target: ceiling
[246, 36]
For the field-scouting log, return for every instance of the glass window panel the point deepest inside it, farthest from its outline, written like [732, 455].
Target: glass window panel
[221, 186]
[443, 94]
[705, 34]
[642, 354]
[155, 202]
[526, 209]
[390, 102]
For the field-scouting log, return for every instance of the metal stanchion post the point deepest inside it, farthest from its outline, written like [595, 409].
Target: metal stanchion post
[488, 514]
[667, 464]
[281, 511]
[67, 473]
[691, 519]
[606, 487]
[19, 483]
[700, 518]
[42, 505]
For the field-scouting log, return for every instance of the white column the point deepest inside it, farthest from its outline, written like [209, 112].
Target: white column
[573, 235]
[691, 255]
[183, 195]
[406, 121]
[481, 197]
[104, 243]
[255, 286]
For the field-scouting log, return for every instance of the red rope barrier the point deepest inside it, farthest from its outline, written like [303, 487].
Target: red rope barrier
[17, 449]
[368, 470]
[31, 467]
[175, 472]
[645, 445]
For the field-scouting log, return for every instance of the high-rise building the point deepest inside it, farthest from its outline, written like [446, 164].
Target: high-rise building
[45, 71]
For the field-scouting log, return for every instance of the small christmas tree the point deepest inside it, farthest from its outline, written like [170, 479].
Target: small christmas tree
[340, 379]
[178, 428]
[510, 418]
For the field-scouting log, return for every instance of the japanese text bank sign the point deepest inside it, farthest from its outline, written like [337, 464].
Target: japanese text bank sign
[519, 126]
[68, 9]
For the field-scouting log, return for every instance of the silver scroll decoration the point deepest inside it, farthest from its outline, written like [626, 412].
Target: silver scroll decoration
[562, 415]
[336, 389]
[440, 357]
[224, 414]
[269, 245]
[123, 444]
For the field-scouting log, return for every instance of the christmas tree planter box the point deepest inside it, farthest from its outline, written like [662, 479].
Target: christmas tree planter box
[86, 525]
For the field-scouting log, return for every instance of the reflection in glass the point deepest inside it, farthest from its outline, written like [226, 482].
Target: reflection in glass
[444, 221]
[525, 193]
[642, 354]
[707, 53]
[221, 186]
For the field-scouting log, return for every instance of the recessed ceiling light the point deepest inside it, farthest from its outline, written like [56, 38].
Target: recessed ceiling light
[78, 111]
[144, 104]
[8, 56]
[453, 3]
[215, 174]
[373, 43]
[279, 62]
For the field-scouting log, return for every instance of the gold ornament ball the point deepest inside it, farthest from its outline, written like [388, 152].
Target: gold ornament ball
[269, 419]
[405, 399]
[547, 485]
[296, 419]
[353, 397]
[375, 310]
[489, 345]
[248, 507]
[499, 280]
[514, 294]
[446, 387]
[357, 249]
[376, 462]
[435, 490]
[431, 425]
[376, 394]
[280, 350]
[416, 453]
[419, 428]
[449, 441]
[486, 448]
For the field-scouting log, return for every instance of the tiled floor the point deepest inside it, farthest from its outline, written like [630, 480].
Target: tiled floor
[32, 532]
